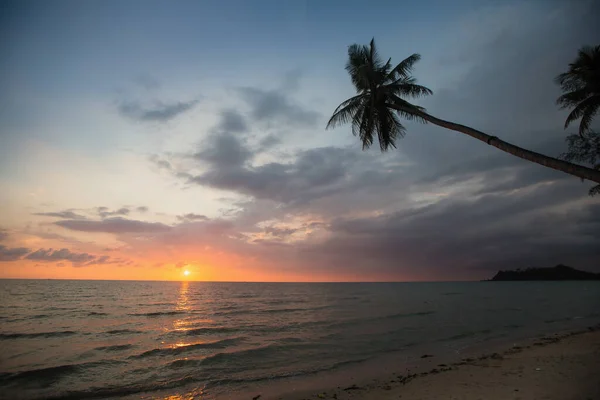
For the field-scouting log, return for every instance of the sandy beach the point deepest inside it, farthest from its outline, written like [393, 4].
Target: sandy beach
[559, 367]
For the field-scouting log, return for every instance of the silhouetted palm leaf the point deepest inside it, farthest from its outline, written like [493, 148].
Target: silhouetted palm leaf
[581, 88]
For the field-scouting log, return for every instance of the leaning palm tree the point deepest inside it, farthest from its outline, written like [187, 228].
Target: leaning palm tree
[581, 88]
[382, 90]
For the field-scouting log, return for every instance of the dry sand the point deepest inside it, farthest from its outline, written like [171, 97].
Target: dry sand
[559, 367]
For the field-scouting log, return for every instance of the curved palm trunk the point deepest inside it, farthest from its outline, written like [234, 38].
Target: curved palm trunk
[550, 162]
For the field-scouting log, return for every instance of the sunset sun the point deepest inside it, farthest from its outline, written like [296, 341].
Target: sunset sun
[186, 272]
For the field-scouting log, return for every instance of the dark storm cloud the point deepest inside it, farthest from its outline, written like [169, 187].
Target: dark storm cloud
[12, 253]
[507, 87]
[160, 112]
[113, 225]
[276, 106]
[192, 217]
[451, 238]
[67, 214]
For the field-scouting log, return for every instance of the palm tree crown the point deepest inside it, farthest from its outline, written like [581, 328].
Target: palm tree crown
[378, 85]
[581, 88]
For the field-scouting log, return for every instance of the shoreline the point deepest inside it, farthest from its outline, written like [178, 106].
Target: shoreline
[476, 374]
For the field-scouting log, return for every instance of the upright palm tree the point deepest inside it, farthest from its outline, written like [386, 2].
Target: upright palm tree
[581, 88]
[382, 90]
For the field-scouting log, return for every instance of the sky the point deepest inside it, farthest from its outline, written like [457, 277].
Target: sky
[142, 139]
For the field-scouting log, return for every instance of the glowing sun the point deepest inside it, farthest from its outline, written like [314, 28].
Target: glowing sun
[186, 272]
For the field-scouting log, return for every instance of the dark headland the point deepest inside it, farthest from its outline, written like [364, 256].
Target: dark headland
[558, 273]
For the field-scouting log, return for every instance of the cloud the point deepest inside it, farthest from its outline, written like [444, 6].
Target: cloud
[160, 163]
[450, 238]
[141, 209]
[12, 254]
[224, 151]
[104, 212]
[280, 232]
[77, 259]
[113, 225]
[232, 122]
[67, 214]
[51, 255]
[160, 112]
[3, 235]
[192, 217]
[276, 106]
[147, 82]
[313, 174]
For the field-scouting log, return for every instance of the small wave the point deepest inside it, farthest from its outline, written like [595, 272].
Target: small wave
[269, 310]
[406, 315]
[271, 377]
[119, 347]
[219, 344]
[122, 391]
[36, 335]
[468, 334]
[157, 314]
[60, 309]
[246, 296]
[44, 377]
[122, 331]
[183, 363]
[284, 301]
[94, 313]
[513, 326]
[552, 321]
[390, 316]
[451, 293]
[39, 316]
[208, 331]
[239, 358]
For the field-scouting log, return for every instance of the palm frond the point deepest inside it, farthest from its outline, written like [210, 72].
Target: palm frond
[374, 58]
[588, 115]
[585, 110]
[408, 111]
[581, 88]
[357, 66]
[573, 98]
[363, 126]
[409, 90]
[389, 129]
[404, 68]
[346, 111]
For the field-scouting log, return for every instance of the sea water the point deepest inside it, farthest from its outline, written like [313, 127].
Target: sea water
[116, 339]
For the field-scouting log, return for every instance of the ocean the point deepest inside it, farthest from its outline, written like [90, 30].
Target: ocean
[182, 340]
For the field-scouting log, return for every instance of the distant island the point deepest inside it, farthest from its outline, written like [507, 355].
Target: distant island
[558, 273]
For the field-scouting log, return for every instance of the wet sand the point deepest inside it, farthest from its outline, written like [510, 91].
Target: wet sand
[559, 367]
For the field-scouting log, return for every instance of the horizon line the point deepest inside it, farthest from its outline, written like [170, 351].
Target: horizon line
[198, 281]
